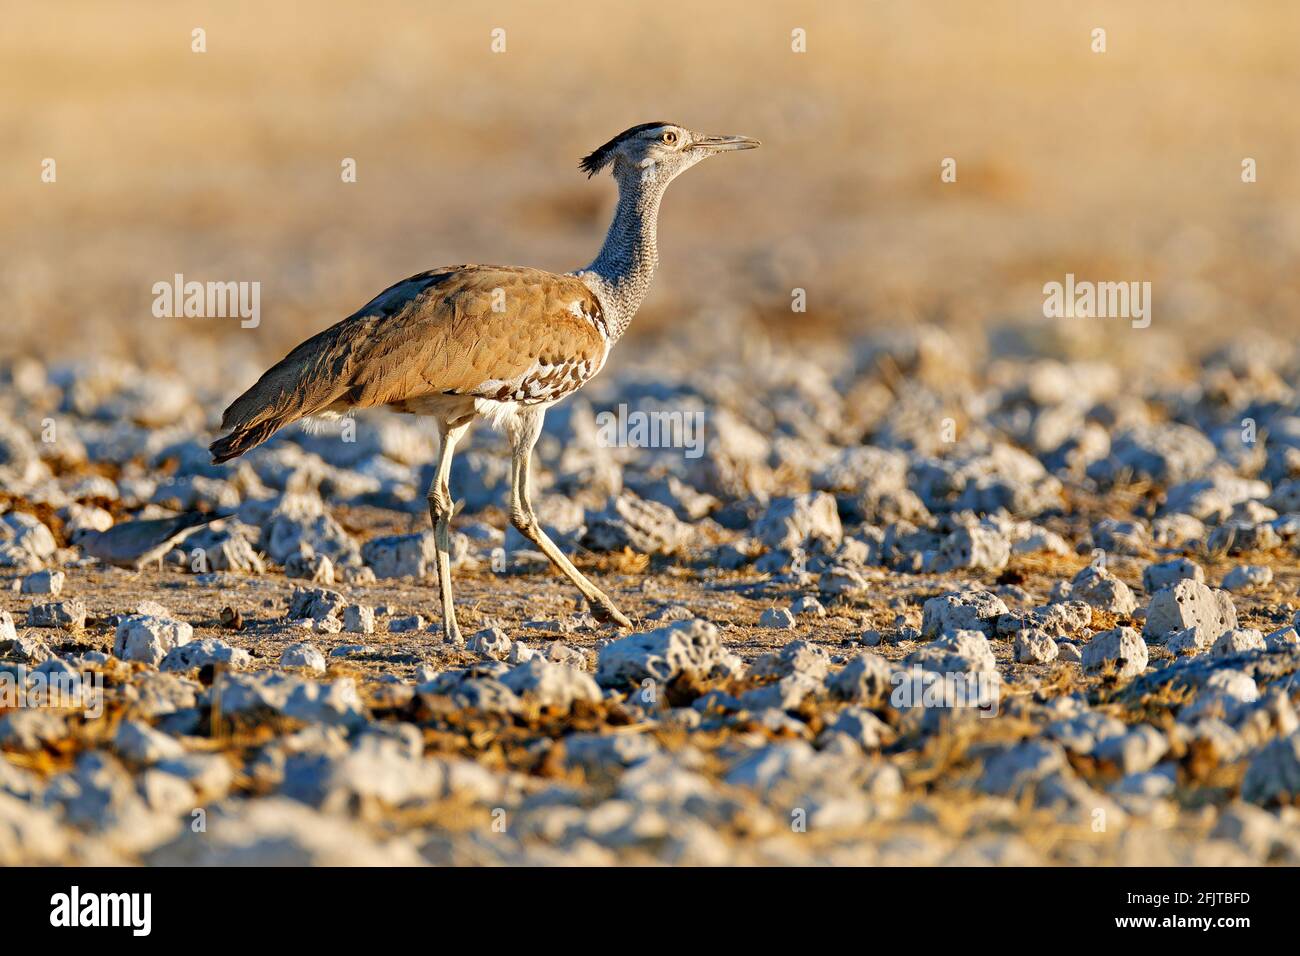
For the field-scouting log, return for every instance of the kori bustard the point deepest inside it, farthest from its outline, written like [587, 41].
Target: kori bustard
[502, 342]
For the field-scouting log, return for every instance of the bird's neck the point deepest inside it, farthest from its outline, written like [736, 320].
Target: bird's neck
[627, 261]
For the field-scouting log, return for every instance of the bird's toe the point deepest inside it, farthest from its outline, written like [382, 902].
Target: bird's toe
[606, 613]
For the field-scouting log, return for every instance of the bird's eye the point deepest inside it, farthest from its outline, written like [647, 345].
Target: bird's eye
[670, 138]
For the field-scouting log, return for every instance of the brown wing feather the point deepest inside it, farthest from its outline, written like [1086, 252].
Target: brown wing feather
[488, 331]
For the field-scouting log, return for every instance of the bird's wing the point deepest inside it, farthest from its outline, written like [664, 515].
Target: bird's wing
[488, 331]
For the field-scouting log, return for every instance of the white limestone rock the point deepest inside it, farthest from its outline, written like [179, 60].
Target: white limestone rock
[148, 639]
[965, 651]
[809, 521]
[201, 653]
[405, 555]
[1122, 647]
[1189, 604]
[865, 679]
[1033, 646]
[1238, 641]
[69, 614]
[1101, 589]
[967, 610]
[359, 619]
[553, 685]
[43, 582]
[797, 657]
[977, 547]
[647, 527]
[662, 654]
[303, 655]
[1247, 577]
[138, 742]
[1166, 574]
[776, 617]
[491, 642]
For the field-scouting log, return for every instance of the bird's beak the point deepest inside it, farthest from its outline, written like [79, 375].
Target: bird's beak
[722, 144]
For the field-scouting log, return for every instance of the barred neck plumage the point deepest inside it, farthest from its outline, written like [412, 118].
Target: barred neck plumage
[620, 275]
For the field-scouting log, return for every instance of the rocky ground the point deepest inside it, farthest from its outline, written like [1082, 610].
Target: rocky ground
[912, 601]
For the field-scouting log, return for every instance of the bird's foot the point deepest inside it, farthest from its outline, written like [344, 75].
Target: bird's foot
[451, 634]
[605, 612]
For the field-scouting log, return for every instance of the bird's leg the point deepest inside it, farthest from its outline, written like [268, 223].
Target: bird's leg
[523, 432]
[440, 508]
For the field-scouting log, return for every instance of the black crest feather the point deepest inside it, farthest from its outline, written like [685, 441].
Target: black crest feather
[601, 157]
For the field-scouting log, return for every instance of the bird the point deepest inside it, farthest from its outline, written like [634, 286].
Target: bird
[135, 544]
[501, 343]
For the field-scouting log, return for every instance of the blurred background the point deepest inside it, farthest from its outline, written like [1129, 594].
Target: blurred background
[225, 165]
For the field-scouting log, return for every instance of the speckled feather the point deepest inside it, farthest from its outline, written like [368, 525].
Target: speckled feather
[437, 333]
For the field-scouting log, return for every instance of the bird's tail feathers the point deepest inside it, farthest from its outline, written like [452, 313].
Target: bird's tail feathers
[301, 384]
[244, 438]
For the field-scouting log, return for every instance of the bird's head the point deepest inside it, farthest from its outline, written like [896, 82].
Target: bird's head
[658, 152]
